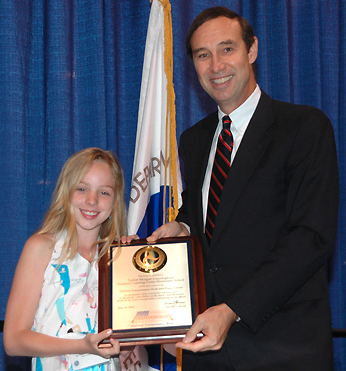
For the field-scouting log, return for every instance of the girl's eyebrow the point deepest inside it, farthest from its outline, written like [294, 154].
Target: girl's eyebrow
[101, 186]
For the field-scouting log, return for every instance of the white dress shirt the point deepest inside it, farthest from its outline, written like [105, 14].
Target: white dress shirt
[240, 119]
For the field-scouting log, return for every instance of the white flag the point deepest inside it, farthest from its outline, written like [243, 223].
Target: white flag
[155, 167]
[156, 180]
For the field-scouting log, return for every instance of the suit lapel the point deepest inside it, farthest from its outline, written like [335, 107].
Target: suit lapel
[204, 140]
[252, 147]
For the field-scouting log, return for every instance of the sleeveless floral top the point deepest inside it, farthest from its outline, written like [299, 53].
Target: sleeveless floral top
[68, 308]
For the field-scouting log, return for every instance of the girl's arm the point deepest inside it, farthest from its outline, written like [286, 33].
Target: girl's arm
[26, 289]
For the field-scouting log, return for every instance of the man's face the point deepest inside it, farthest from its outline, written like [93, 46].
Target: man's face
[223, 65]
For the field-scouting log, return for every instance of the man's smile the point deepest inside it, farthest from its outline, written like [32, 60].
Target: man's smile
[222, 80]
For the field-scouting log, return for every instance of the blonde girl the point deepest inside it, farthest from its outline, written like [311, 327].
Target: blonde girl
[52, 309]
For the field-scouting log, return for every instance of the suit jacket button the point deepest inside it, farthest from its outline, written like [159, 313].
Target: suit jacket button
[213, 269]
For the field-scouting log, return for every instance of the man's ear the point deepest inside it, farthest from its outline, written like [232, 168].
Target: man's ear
[253, 51]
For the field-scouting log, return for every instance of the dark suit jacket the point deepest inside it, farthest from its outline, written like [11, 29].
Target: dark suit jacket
[274, 231]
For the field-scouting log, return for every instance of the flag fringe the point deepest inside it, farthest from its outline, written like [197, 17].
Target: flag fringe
[171, 211]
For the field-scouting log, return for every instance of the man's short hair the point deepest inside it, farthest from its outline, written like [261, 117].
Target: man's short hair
[248, 34]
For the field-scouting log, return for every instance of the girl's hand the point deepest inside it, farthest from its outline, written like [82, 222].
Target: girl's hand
[128, 239]
[92, 346]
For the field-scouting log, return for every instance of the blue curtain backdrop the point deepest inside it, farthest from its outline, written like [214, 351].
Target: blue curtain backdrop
[70, 74]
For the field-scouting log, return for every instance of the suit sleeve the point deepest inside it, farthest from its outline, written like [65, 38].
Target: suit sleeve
[292, 267]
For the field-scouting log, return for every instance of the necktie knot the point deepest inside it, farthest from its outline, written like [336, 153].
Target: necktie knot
[226, 122]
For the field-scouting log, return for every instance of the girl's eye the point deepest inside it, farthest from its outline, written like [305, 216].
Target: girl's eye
[81, 189]
[105, 193]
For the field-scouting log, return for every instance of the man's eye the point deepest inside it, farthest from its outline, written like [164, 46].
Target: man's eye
[202, 55]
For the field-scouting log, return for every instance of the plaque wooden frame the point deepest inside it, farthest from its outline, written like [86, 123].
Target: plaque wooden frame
[158, 335]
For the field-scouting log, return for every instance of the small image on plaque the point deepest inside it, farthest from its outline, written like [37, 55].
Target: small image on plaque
[149, 259]
[152, 317]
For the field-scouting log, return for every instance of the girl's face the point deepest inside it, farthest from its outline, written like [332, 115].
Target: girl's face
[93, 200]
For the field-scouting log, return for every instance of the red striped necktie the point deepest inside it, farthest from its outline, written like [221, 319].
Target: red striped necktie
[222, 163]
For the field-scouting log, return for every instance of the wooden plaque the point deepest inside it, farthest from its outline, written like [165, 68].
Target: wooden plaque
[151, 293]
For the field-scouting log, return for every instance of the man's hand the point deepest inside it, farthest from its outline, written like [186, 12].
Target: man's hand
[214, 323]
[171, 229]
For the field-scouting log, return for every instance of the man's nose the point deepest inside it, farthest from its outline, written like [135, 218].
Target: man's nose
[217, 64]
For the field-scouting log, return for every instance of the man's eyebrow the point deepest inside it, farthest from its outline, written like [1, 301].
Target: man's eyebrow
[228, 42]
[195, 51]
[221, 43]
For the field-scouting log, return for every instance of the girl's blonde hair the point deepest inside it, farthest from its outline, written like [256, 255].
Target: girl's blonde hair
[61, 217]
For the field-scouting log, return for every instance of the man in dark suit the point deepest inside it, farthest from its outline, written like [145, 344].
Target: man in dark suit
[274, 229]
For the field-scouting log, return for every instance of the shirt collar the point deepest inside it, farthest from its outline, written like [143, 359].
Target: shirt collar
[242, 115]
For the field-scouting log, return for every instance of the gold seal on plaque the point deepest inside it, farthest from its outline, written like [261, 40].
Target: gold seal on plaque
[149, 259]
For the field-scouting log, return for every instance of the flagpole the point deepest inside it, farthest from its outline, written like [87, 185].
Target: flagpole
[172, 210]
